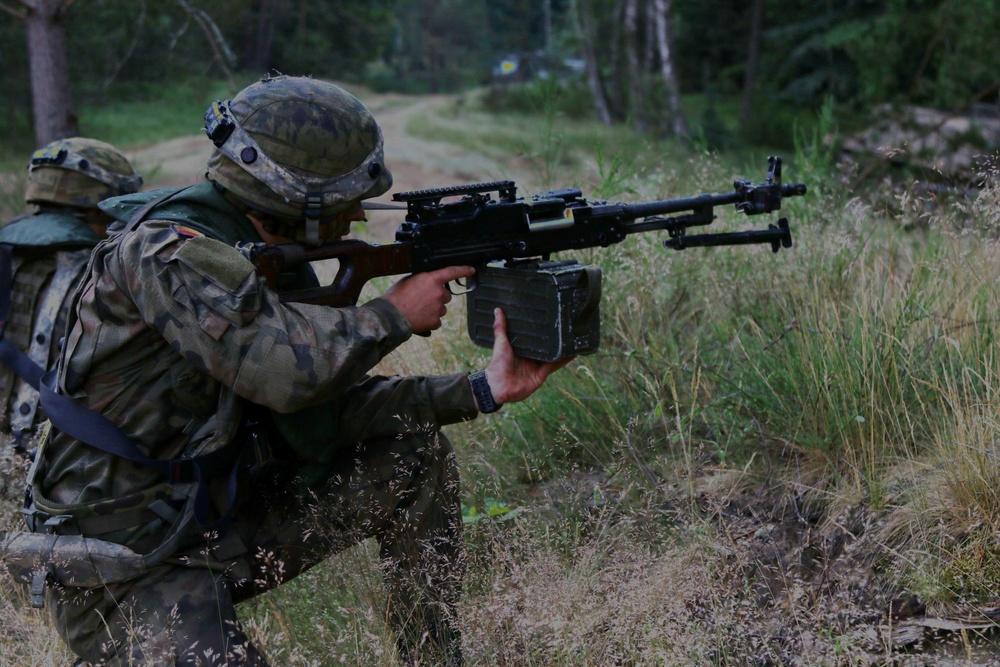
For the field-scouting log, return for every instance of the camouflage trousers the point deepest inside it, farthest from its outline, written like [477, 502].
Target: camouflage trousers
[401, 491]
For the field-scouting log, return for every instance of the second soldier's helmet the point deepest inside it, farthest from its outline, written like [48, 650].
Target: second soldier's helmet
[298, 150]
[79, 172]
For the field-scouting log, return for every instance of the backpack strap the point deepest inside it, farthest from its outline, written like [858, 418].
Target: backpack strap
[94, 429]
[141, 214]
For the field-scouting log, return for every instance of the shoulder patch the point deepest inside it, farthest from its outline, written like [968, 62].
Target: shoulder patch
[216, 261]
[186, 232]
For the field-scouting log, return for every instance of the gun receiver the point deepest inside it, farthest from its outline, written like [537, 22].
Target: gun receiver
[465, 225]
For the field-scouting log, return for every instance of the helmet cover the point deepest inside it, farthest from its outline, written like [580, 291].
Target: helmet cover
[79, 172]
[297, 148]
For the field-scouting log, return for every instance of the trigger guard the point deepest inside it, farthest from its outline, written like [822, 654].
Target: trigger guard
[467, 285]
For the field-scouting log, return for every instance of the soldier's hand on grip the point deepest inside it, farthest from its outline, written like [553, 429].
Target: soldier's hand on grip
[423, 297]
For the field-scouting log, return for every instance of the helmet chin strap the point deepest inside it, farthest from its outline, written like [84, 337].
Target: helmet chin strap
[286, 227]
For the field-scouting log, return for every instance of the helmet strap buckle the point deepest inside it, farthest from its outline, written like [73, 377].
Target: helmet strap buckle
[311, 213]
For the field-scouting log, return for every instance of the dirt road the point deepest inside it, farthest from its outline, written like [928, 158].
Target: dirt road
[415, 163]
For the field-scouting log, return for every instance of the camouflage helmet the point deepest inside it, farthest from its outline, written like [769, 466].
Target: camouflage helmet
[298, 149]
[79, 172]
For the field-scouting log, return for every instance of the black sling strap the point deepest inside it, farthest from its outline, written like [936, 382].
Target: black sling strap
[96, 430]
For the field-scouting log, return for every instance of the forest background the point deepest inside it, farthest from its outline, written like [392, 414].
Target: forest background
[766, 60]
[785, 459]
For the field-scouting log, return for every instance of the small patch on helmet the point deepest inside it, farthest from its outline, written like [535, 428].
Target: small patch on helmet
[187, 232]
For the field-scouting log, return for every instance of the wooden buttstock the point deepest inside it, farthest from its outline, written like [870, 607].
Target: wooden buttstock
[359, 263]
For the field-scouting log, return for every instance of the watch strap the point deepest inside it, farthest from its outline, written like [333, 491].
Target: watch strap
[484, 395]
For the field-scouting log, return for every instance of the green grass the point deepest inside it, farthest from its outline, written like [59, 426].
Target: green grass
[137, 117]
[830, 373]
[775, 403]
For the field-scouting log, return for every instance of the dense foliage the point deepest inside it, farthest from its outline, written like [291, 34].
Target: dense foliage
[863, 52]
[935, 52]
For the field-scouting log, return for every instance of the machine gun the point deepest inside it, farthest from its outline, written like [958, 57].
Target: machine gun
[552, 307]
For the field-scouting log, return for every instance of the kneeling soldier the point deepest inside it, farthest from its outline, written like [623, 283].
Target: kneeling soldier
[43, 256]
[241, 439]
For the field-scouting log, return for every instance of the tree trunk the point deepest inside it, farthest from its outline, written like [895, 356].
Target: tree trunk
[583, 27]
[51, 97]
[636, 98]
[675, 122]
[615, 84]
[547, 25]
[264, 38]
[753, 55]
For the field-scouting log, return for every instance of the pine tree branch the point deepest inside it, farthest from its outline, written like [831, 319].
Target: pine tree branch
[223, 54]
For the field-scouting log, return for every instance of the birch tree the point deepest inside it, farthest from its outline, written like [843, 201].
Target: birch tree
[628, 52]
[587, 30]
[635, 84]
[753, 58]
[674, 120]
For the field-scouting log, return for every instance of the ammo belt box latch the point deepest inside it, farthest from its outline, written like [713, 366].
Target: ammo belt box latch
[552, 307]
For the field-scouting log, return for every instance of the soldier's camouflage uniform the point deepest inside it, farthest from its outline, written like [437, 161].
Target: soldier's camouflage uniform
[175, 339]
[49, 252]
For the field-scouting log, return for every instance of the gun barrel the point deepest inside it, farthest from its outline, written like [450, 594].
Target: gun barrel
[704, 202]
[667, 206]
[477, 230]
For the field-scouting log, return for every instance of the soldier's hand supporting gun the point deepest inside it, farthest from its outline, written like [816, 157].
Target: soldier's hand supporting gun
[422, 299]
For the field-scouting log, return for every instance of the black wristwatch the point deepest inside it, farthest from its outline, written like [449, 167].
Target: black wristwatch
[481, 390]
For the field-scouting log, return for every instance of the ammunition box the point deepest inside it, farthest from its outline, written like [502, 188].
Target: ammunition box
[552, 307]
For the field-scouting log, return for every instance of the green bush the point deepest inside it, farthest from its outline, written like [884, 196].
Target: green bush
[380, 77]
[569, 98]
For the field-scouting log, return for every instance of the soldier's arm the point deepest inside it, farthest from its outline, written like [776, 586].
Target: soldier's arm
[206, 300]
